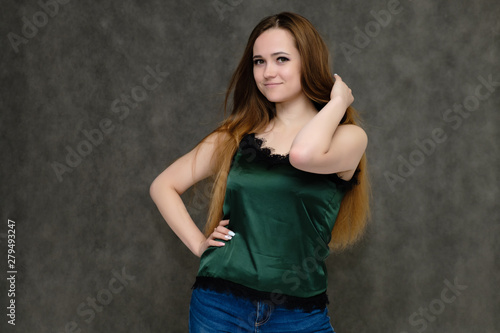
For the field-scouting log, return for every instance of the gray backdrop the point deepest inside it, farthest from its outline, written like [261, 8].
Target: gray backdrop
[98, 97]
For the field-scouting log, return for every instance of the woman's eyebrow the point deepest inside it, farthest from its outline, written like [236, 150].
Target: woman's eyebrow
[274, 54]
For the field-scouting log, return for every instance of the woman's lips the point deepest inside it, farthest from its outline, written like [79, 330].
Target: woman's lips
[271, 84]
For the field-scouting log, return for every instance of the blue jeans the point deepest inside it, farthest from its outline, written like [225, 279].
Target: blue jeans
[214, 312]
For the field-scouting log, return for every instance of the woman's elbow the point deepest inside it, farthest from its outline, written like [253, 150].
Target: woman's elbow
[161, 186]
[300, 157]
[153, 189]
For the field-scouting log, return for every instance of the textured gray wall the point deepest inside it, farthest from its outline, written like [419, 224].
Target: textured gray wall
[420, 77]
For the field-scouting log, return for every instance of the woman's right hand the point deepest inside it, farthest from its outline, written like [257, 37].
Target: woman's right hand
[221, 232]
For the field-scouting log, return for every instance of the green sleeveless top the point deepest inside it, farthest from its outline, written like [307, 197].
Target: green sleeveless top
[282, 218]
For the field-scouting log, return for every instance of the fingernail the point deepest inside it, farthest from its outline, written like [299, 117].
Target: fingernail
[231, 233]
[222, 243]
[227, 237]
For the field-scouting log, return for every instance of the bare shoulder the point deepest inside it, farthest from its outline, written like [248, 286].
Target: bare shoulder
[353, 140]
[214, 138]
[191, 167]
[206, 148]
[353, 131]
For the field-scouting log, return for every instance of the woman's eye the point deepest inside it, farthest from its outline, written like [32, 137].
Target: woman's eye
[282, 59]
[258, 61]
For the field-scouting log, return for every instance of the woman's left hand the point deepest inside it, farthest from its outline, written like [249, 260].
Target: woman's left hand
[341, 91]
[219, 233]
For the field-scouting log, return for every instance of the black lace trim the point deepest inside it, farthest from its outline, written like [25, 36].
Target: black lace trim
[307, 304]
[267, 155]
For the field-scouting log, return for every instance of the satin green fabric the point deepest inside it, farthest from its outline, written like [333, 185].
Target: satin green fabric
[282, 218]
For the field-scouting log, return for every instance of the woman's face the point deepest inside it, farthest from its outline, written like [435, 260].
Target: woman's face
[276, 66]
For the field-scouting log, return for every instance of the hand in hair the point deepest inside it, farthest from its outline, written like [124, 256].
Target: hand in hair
[341, 91]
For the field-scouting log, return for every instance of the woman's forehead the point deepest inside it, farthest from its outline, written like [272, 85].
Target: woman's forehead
[273, 41]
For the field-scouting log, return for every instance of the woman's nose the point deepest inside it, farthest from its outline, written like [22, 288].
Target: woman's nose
[269, 71]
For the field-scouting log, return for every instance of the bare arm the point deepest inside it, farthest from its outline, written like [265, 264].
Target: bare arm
[324, 146]
[166, 192]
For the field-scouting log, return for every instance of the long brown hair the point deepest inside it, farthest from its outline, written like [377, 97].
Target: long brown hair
[251, 112]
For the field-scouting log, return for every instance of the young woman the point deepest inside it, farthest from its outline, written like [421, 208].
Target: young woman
[290, 185]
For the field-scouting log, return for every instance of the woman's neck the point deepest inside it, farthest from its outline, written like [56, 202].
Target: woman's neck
[293, 115]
